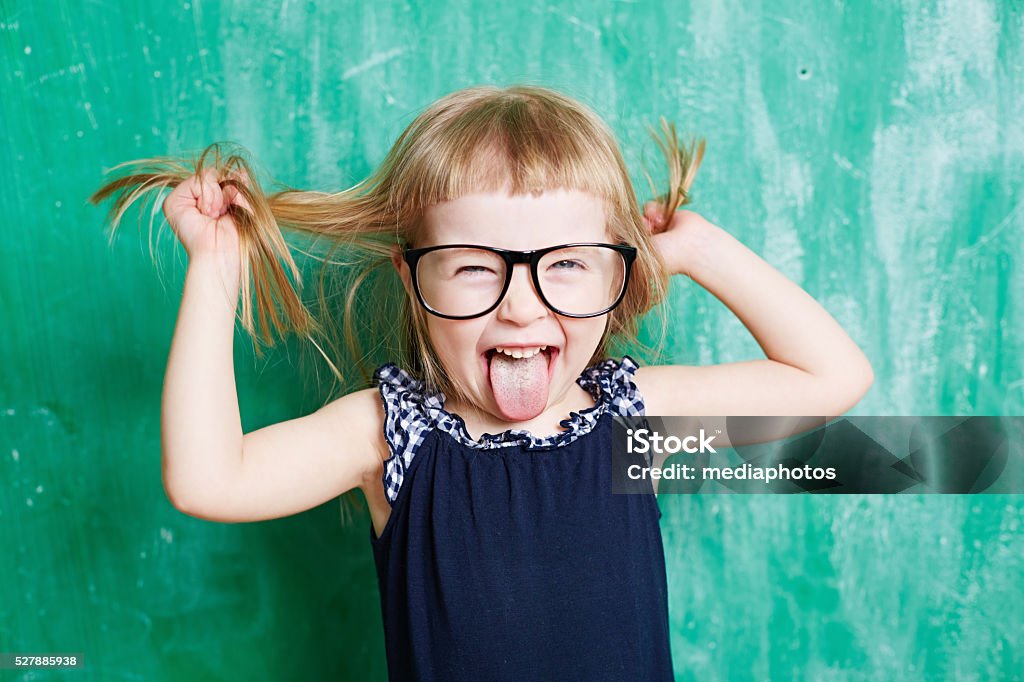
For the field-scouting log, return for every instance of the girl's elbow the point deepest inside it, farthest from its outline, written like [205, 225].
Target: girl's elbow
[865, 378]
[181, 496]
[176, 497]
[856, 377]
[869, 379]
[852, 386]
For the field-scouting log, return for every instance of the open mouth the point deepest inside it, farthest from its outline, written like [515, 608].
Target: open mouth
[521, 353]
[520, 379]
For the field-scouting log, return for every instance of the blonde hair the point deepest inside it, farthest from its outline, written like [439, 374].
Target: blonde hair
[483, 138]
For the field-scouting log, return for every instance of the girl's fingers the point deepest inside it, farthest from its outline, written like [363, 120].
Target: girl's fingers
[232, 195]
[217, 203]
[207, 193]
[240, 175]
[183, 198]
[653, 215]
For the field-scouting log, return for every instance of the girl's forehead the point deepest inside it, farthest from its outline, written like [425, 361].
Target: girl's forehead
[517, 222]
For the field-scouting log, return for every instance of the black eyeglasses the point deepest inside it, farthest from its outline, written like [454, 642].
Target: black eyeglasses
[463, 281]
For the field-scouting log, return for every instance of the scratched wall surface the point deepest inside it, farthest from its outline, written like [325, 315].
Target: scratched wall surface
[872, 151]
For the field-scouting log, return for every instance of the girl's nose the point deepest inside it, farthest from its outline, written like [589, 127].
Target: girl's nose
[522, 304]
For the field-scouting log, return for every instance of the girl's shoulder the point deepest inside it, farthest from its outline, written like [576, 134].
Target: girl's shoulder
[410, 409]
[390, 378]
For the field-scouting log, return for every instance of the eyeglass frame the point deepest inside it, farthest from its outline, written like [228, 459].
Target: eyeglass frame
[512, 258]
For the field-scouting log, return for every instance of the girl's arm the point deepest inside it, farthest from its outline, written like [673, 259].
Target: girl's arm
[210, 469]
[812, 368]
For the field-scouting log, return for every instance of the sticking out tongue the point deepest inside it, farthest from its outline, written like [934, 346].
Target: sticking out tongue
[520, 385]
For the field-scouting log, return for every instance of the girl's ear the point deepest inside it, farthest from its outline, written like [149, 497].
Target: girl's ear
[402, 267]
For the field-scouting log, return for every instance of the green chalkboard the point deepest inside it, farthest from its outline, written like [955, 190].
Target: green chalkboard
[871, 151]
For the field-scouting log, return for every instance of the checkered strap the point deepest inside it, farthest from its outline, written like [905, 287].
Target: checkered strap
[615, 381]
[405, 424]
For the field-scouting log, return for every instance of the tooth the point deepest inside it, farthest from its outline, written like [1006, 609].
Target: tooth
[517, 354]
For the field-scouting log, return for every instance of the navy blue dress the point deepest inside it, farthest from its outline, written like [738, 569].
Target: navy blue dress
[509, 558]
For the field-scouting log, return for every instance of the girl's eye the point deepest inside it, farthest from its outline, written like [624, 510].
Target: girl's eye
[471, 269]
[568, 265]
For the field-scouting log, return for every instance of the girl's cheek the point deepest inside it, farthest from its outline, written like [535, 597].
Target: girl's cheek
[455, 341]
[585, 331]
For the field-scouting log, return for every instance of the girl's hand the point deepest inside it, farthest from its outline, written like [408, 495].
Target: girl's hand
[197, 211]
[678, 239]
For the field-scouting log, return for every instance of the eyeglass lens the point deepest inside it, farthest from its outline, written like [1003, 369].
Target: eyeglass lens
[576, 280]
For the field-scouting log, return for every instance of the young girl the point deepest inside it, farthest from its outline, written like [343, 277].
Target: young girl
[484, 450]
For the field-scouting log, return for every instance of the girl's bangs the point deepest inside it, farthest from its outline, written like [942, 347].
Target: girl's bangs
[495, 153]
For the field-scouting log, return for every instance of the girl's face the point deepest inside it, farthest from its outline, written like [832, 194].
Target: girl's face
[515, 390]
